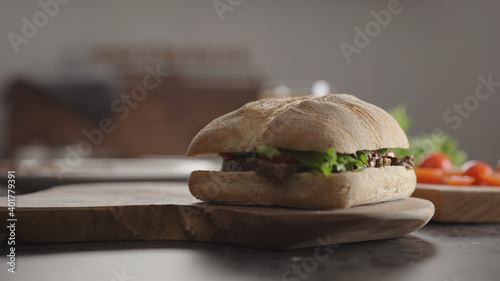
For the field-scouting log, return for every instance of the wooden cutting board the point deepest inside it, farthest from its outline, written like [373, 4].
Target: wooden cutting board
[465, 204]
[167, 211]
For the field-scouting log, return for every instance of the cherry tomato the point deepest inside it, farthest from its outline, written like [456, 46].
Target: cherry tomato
[493, 179]
[429, 175]
[475, 169]
[458, 180]
[436, 160]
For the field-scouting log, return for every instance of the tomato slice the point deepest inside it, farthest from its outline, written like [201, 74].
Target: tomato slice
[428, 175]
[493, 179]
[458, 180]
[454, 173]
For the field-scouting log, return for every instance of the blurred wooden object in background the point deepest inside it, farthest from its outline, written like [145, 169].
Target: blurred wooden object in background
[201, 85]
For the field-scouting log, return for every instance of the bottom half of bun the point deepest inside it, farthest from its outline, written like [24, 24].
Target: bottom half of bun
[305, 190]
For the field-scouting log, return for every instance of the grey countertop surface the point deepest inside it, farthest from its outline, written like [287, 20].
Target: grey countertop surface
[452, 252]
[34, 175]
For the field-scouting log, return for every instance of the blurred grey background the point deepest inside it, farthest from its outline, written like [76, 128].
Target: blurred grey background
[429, 56]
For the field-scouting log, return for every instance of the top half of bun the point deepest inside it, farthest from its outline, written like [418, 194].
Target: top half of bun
[305, 123]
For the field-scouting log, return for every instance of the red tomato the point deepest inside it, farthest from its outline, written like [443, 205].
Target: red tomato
[475, 169]
[428, 175]
[436, 160]
[493, 179]
[458, 180]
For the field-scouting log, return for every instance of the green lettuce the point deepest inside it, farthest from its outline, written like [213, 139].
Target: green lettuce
[399, 113]
[424, 143]
[323, 162]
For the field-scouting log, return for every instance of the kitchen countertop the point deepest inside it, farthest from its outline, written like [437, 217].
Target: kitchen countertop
[33, 175]
[452, 252]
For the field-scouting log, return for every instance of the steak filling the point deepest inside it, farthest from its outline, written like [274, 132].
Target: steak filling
[279, 170]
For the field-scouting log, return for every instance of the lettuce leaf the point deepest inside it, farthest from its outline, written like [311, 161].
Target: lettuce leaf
[323, 162]
[399, 113]
[436, 141]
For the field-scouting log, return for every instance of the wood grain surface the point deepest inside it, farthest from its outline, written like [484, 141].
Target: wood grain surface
[464, 204]
[167, 211]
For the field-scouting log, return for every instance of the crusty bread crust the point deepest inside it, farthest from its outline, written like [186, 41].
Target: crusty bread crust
[301, 123]
[305, 190]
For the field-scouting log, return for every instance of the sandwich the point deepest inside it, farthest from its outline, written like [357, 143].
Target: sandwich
[306, 152]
